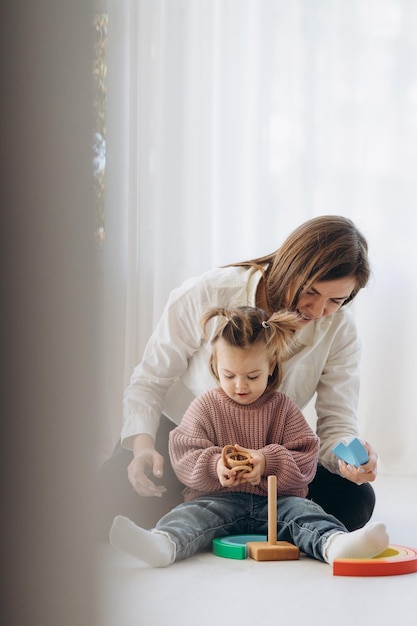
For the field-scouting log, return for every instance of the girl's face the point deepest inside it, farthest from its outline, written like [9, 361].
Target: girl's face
[324, 298]
[243, 373]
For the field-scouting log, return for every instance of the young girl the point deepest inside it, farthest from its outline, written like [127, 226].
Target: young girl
[247, 412]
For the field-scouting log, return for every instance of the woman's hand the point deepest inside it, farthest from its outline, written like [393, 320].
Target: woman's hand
[365, 473]
[145, 458]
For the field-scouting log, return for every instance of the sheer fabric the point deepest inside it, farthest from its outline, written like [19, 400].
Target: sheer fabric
[232, 121]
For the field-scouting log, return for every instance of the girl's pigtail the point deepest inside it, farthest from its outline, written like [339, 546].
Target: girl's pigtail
[283, 324]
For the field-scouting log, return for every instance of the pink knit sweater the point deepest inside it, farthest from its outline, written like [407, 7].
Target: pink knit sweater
[273, 424]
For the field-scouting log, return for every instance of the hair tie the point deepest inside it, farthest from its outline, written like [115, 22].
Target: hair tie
[265, 325]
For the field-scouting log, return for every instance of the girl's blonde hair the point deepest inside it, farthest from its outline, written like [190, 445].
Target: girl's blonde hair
[324, 248]
[246, 326]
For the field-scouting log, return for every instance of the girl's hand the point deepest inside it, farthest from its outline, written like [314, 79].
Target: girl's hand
[365, 473]
[227, 477]
[257, 459]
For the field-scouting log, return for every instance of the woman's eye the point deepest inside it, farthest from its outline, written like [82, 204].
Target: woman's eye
[253, 377]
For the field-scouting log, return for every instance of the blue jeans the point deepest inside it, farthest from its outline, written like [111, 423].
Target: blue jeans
[193, 525]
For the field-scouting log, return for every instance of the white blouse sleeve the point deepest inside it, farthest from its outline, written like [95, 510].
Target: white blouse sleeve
[338, 393]
[176, 338]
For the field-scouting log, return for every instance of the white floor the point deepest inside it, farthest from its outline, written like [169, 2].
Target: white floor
[207, 590]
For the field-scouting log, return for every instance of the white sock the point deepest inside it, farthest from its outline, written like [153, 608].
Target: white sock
[363, 543]
[151, 546]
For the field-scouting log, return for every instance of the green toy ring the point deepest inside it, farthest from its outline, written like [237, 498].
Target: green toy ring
[234, 546]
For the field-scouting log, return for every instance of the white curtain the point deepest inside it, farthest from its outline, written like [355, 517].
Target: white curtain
[232, 121]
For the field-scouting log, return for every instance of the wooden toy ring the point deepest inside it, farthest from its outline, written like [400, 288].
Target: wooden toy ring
[394, 560]
[234, 459]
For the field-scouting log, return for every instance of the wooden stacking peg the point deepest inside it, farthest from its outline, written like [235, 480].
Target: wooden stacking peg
[272, 550]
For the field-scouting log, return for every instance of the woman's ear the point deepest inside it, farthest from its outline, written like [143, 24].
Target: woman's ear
[272, 366]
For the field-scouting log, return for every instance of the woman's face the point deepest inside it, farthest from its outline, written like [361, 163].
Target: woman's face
[324, 298]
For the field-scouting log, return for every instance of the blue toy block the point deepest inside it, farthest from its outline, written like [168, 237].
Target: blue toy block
[353, 453]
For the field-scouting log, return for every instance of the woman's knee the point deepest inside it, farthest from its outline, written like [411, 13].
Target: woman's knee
[352, 504]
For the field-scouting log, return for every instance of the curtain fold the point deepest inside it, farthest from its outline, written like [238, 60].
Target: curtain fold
[232, 121]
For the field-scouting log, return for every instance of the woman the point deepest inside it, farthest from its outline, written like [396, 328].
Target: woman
[317, 271]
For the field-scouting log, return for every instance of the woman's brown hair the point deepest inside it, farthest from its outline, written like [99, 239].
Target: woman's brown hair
[322, 249]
